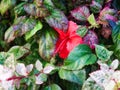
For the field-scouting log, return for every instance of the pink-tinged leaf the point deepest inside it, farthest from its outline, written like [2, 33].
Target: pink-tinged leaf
[107, 10]
[81, 13]
[95, 7]
[107, 14]
[29, 68]
[57, 19]
[91, 39]
[36, 11]
[21, 69]
[110, 17]
[48, 69]
[17, 83]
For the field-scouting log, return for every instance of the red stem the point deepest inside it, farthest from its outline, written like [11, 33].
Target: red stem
[15, 77]
[20, 77]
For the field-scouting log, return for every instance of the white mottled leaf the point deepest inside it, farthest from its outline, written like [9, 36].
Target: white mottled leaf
[110, 85]
[29, 68]
[21, 69]
[104, 67]
[114, 64]
[38, 65]
[99, 77]
[10, 62]
[48, 69]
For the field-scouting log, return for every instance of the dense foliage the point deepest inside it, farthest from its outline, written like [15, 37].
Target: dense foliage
[59, 44]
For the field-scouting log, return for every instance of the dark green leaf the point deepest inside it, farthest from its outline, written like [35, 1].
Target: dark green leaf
[77, 76]
[79, 57]
[52, 87]
[116, 40]
[116, 4]
[61, 5]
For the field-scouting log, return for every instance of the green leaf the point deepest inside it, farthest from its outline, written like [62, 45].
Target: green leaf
[20, 51]
[52, 87]
[7, 59]
[92, 21]
[30, 33]
[102, 53]
[116, 40]
[82, 30]
[6, 4]
[77, 76]
[19, 9]
[2, 57]
[47, 44]
[31, 87]
[79, 57]
[10, 61]
[49, 4]
[61, 4]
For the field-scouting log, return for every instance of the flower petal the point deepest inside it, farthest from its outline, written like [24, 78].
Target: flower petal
[73, 42]
[64, 53]
[72, 27]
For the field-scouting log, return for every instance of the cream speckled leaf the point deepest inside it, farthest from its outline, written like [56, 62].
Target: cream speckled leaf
[38, 65]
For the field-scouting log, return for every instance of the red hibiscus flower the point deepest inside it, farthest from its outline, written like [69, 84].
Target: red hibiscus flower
[67, 41]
